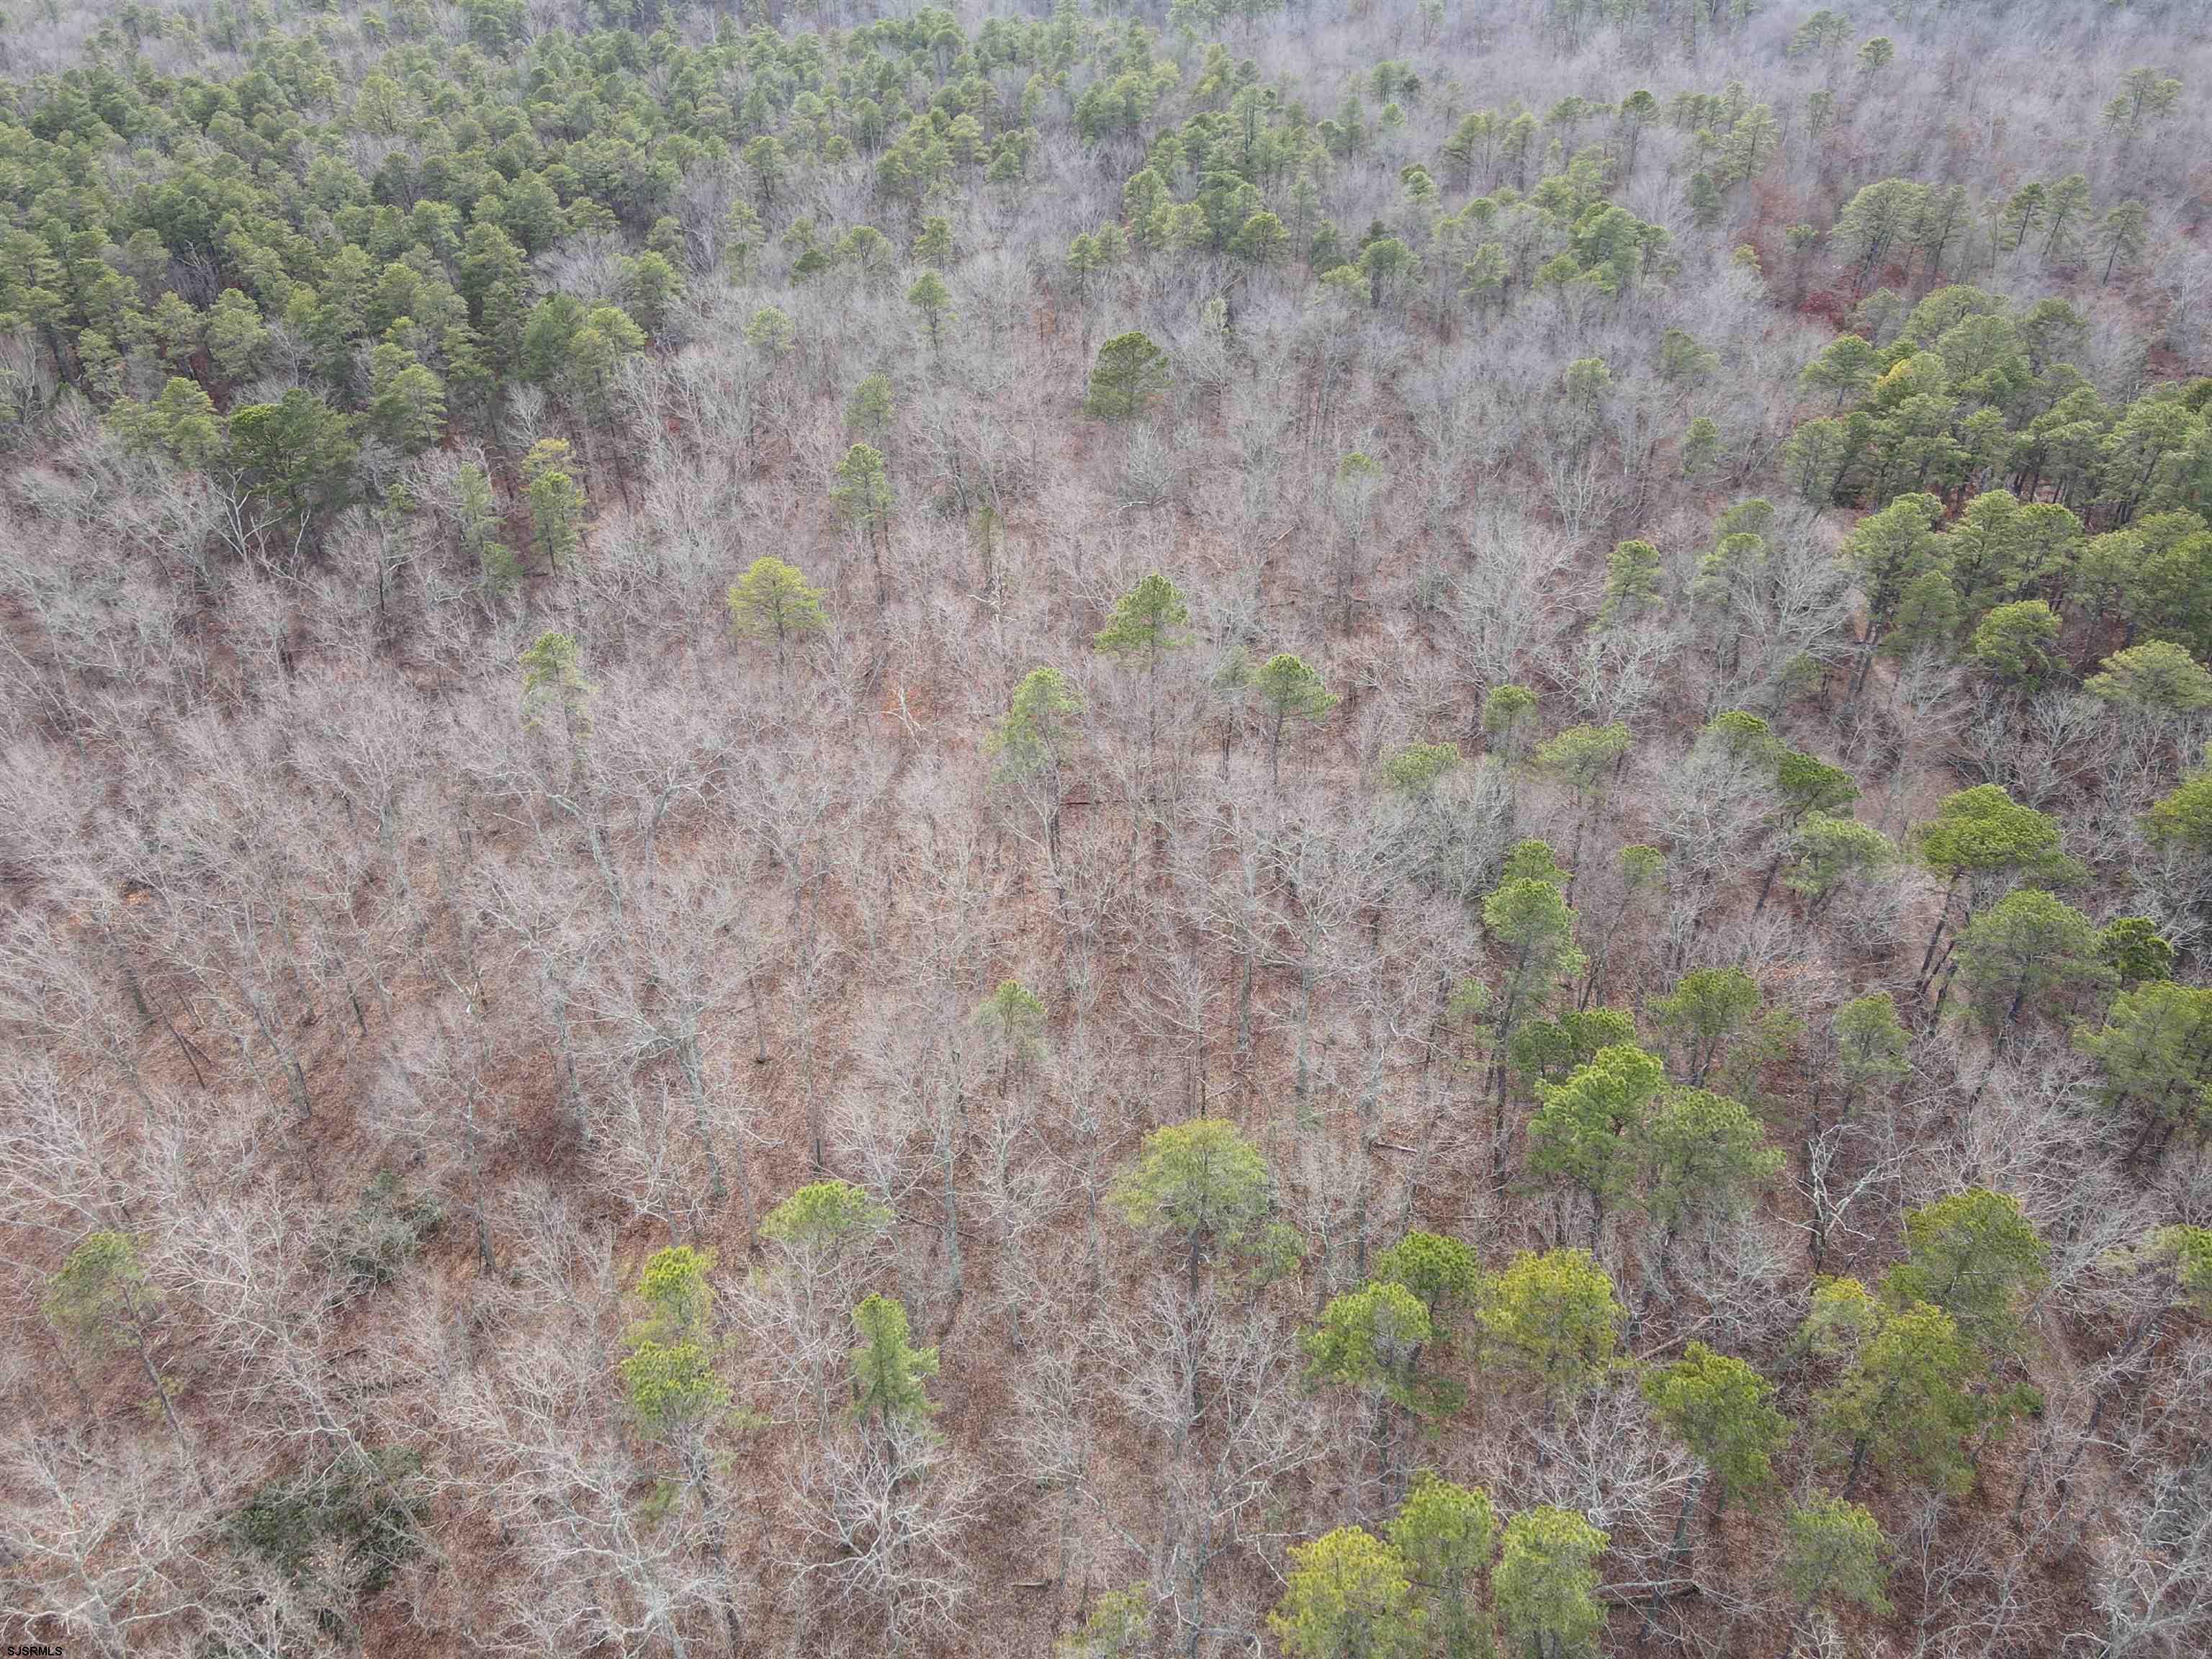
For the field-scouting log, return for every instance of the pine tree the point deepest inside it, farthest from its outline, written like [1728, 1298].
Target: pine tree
[1509, 719]
[2017, 643]
[552, 673]
[888, 1371]
[1288, 689]
[1413, 771]
[1372, 1341]
[675, 1392]
[1014, 1018]
[1708, 1008]
[1907, 1392]
[673, 1388]
[2066, 208]
[825, 1220]
[2154, 1048]
[2182, 821]
[869, 411]
[1032, 748]
[1586, 1131]
[1724, 1413]
[1976, 1256]
[1445, 1534]
[863, 500]
[2122, 235]
[1441, 1271]
[1825, 854]
[1199, 1182]
[674, 1287]
[1147, 625]
[932, 301]
[2024, 947]
[772, 601]
[1347, 1596]
[1981, 835]
[1120, 1627]
[1583, 759]
[1532, 927]
[2135, 951]
[2157, 678]
[1704, 1157]
[100, 1300]
[1131, 375]
[1547, 1584]
[1832, 1553]
[556, 501]
[1553, 1318]
[1870, 1045]
[1631, 583]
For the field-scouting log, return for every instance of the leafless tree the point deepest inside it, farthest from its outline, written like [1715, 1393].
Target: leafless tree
[882, 1518]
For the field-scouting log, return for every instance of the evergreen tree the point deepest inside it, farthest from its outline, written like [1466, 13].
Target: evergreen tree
[100, 1300]
[1547, 1584]
[933, 301]
[1869, 1046]
[1120, 1627]
[1445, 1534]
[1906, 1392]
[1532, 927]
[888, 1373]
[2154, 1048]
[1014, 1018]
[2156, 678]
[1982, 836]
[1147, 623]
[1371, 1340]
[1440, 1271]
[1131, 375]
[675, 1392]
[1583, 759]
[1703, 1158]
[1631, 583]
[2018, 644]
[1831, 1554]
[1586, 1131]
[1201, 1183]
[863, 500]
[2133, 948]
[1549, 1050]
[2024, 947]
[1509, 719]
[556, 501]
[1708, 1008]
[1288, 689]
[869, 409]
[1824, 855]
[1031, 747]
[674, 1287]
[1976, 1256]
[1724, 1413]
[1347, 1596]
[2182, 821]
[2122, 235]
[1885, 551]
[552, 673]
[1413, 771]
[825, 1220]
[673, 1388]
[772, 602]
[1553, 1318]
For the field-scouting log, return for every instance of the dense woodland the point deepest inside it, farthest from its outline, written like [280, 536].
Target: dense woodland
[1112, 831]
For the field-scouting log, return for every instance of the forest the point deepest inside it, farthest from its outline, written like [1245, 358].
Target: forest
[1113, 829]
